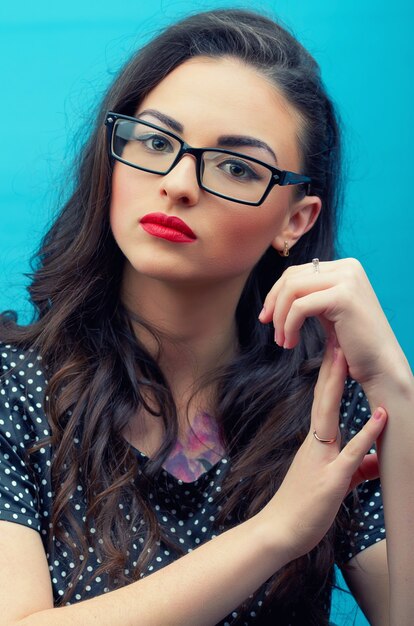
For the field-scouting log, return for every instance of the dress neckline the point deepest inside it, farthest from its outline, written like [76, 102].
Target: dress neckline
[179, 481]
[195, 453]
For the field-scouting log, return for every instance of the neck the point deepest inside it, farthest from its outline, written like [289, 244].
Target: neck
[195, 323]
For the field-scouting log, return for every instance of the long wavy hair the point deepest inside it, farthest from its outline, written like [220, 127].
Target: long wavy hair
[100, 373]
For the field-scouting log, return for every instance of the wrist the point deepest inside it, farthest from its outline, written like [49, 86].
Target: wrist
[274, 539]
[398, 384]
[394, 375]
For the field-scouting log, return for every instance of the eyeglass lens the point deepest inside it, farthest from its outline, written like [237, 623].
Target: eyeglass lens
[226, 174]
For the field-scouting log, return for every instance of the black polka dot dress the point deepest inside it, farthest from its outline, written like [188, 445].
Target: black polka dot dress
[186, 511]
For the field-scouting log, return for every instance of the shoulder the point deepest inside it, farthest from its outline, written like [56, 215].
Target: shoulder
[23, 424]
[22, 393]
[23, 366]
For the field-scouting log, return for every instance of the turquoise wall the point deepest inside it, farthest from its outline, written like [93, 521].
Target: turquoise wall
[57, 59]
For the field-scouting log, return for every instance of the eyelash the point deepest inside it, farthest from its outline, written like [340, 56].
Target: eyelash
[252, 175]
[145, 138]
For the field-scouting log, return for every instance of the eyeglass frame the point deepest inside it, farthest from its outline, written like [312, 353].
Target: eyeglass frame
[279, 177]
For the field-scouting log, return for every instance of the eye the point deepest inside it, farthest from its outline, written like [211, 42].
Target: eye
[155, 142]
[239, 169]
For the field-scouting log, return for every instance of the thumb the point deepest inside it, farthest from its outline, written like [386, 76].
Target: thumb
[368, 470]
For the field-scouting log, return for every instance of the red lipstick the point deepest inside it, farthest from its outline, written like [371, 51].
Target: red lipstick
[167, 227]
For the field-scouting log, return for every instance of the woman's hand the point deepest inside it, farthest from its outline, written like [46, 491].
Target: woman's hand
[342, 298]
[322, 474]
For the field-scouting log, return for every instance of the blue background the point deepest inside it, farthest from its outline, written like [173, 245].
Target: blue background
[57, 59]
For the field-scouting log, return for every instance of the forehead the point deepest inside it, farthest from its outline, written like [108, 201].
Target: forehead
[212, 97]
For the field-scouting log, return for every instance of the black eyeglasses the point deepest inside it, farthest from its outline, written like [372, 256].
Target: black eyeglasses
[226, 174]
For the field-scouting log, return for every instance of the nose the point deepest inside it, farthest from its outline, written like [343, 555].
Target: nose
[180, 185]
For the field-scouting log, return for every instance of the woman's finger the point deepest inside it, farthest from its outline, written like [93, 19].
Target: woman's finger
[368, 470]
[351, 458]
[328, 394]
[294, 289]
[297, 276]
[320, 304]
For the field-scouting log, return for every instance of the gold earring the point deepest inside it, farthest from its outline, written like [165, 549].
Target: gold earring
[285, 251]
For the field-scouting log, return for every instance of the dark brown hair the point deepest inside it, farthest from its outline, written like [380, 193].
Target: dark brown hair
[100, 371]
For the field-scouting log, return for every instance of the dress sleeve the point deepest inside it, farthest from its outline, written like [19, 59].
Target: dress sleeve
[21, 425]
[366, 513]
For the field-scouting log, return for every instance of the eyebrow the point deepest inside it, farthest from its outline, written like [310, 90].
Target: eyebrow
[238, 141]
[165, 119]
[224, 141]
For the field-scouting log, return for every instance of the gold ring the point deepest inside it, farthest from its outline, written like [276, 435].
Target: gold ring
[324, 440]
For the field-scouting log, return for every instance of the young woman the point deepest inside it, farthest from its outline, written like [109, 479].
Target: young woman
[171, 451]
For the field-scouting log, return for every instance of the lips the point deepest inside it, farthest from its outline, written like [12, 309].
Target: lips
[167, 227]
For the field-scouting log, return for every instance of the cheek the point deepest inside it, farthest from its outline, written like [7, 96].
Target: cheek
[122, 185]
[123, 193]
[243, 240]
[253, 229]
[258, 226]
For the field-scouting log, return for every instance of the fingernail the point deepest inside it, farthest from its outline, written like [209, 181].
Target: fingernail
[378, 414]
[262, 312]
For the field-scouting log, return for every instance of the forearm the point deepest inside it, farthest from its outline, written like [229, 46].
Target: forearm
[198, 589]
[397, 472]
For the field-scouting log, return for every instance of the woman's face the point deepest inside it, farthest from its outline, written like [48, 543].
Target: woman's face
[208, 99]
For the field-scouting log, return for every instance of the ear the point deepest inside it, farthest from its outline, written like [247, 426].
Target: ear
[300, 218]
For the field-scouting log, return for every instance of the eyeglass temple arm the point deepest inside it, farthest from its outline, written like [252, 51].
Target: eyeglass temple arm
[290, 178]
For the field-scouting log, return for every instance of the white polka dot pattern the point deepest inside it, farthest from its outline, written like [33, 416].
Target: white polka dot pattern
[186, 511]
[368, 515]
